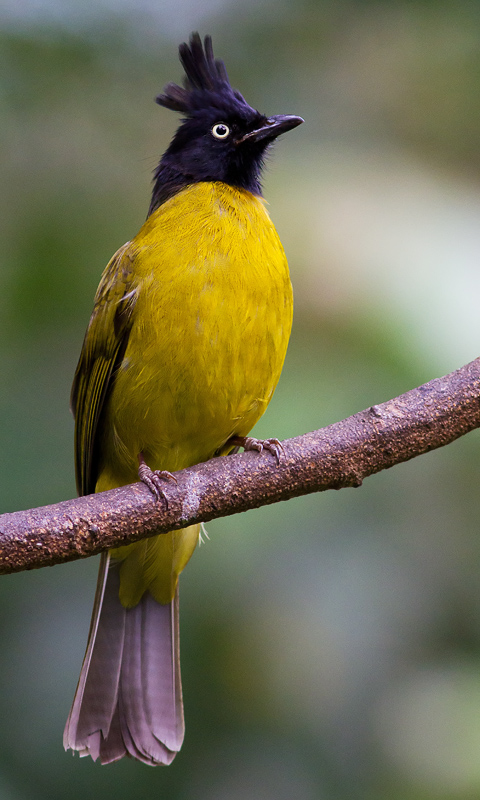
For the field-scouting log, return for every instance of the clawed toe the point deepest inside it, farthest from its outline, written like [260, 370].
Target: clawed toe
[154, 479]
[272, 446]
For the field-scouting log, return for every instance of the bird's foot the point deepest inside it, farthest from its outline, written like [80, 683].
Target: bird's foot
[272, 446]
[152, 478]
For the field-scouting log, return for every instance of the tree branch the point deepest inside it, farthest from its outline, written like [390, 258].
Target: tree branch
[335, 457]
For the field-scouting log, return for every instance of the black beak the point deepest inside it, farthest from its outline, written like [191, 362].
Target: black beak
[272, 127]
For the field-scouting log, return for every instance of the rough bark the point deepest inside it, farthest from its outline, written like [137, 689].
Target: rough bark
[338, 456]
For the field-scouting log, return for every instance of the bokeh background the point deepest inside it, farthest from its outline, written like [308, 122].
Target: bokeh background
[330, 645]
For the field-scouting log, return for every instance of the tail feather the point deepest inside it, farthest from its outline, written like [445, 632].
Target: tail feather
[137, 705]
[113, 747]
[161, 674]
[129, 695]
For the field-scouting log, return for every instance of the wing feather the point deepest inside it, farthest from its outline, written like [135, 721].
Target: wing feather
[102, 352]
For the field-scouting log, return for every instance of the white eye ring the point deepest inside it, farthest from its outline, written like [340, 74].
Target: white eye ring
[220, 130]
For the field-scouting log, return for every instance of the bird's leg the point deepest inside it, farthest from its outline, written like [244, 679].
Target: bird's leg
[272, 446]
[152, 478]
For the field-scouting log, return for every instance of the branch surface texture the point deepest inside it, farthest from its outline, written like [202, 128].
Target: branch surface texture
[341, 455]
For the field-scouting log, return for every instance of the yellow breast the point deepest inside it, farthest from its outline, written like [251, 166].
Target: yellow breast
[210, 331]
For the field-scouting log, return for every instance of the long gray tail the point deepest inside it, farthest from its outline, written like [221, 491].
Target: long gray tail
[129, 694]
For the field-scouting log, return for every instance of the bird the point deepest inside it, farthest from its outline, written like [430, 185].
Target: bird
[181, 356]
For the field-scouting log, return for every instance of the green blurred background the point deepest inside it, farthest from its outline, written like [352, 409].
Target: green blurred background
[330, 645]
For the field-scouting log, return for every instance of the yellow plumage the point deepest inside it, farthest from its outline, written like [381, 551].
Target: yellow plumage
[181, 357]
[207, 294]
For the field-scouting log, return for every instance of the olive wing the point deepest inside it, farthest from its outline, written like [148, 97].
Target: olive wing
[103, 349]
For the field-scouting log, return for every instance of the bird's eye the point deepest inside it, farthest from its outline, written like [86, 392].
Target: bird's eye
[220, 130]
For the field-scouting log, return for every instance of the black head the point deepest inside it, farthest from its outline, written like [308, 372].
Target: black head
[221, 137]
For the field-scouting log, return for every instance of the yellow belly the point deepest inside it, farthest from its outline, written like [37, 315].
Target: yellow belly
[210, 332]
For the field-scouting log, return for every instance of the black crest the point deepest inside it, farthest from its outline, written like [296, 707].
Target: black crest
[206, 82]
[220, 138]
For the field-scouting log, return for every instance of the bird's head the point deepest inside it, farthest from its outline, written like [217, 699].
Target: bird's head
[221, 137]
